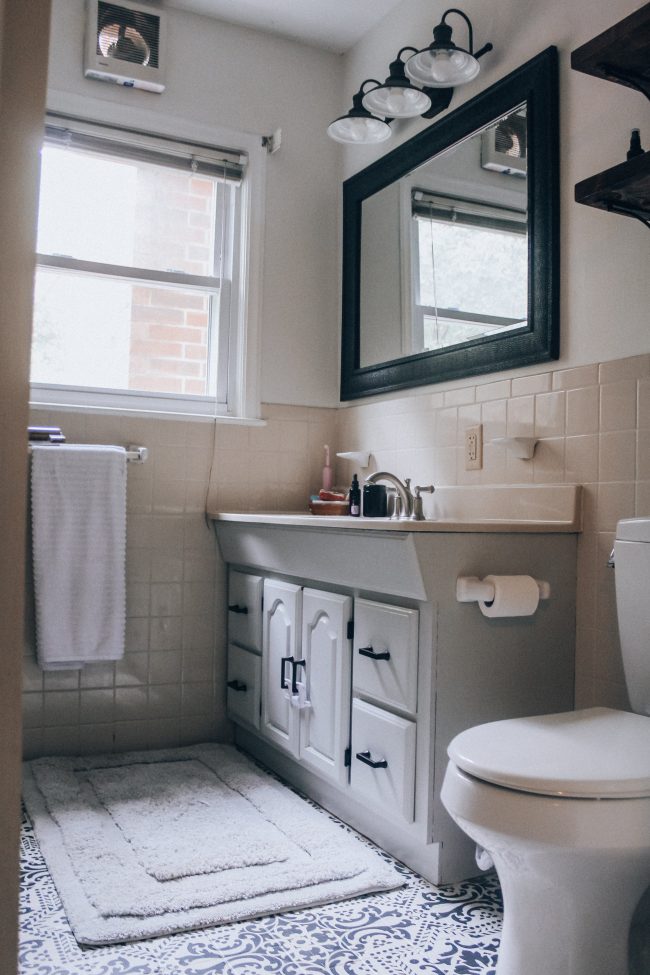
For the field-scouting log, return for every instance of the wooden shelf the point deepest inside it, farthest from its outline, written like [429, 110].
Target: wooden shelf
[620, 54]
[622, 189]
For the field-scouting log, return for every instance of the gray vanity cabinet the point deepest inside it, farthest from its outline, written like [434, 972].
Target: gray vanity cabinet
[382, 666]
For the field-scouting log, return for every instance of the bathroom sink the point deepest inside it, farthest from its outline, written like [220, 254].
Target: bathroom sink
[490, 508]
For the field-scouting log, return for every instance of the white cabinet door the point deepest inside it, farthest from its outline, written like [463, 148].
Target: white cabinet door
[325, 673]
[280, 643]
[382, 773]
[243, 687]
[385, 665]
[245, 610]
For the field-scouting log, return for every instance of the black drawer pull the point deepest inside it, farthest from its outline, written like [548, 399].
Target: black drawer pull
[294, 674]
[367, 760]
[373, 654]
[236, 608]
[283, 680]
[237, 685]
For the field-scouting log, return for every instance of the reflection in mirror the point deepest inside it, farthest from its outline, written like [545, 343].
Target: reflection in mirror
[444, 250]
[451, 243]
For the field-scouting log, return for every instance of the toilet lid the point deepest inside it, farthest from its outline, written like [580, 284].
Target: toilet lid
[594, 753]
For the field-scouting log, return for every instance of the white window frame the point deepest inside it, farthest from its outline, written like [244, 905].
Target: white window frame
[242, 336]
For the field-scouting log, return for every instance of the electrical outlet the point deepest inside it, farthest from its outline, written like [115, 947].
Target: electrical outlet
[474, 448]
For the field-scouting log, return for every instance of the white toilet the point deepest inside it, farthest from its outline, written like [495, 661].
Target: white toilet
[561, 803]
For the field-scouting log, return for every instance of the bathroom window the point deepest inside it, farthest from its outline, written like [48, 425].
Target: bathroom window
[469, 270]
[136, 293]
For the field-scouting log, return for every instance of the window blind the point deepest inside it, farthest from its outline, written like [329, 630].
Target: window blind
[472, 213]
[216, 161]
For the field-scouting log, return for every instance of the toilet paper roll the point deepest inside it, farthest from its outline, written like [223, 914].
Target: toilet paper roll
[513, 596]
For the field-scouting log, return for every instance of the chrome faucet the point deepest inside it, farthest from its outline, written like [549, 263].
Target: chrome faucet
[403, 491]
[411, 507]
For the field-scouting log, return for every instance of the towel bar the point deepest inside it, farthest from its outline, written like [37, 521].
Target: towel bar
[134, 455]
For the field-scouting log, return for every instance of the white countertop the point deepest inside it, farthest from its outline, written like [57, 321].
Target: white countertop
[290, 519]
[507, 508]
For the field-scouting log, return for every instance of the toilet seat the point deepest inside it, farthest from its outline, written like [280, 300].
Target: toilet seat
[595, 753]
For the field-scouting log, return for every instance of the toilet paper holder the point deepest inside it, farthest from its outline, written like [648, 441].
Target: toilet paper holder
[471, 589]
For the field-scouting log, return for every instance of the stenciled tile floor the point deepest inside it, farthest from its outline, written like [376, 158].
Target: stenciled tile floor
[416, 930]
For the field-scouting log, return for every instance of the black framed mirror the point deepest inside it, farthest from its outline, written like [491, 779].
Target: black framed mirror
[451, 243]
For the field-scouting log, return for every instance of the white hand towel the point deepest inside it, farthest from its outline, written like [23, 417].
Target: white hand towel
[79, 544]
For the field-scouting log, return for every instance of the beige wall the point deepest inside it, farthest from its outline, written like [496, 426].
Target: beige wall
[22, 95]
[593, 427]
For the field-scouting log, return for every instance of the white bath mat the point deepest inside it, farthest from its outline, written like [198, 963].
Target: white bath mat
[150, 843]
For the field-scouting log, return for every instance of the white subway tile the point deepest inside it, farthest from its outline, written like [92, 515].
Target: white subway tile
[618, 405]
[527, 385]
[582, 410]
[617, 456]
[575, 377]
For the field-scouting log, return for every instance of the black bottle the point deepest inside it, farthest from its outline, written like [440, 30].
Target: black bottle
[355, 497]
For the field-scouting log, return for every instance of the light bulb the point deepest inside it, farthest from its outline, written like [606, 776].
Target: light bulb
[396, 101]
[442, 67]
[356, 129]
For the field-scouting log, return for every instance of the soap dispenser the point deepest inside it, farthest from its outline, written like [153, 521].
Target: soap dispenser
[355, 497]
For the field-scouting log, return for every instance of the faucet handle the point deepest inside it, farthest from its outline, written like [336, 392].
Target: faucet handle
[417, 514]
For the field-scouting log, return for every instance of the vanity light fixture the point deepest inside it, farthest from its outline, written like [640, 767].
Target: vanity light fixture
[442, 64]
[397, 97]
[437, 69]
[359, 125]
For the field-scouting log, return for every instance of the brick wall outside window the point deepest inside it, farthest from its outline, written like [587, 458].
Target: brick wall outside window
[170, 326]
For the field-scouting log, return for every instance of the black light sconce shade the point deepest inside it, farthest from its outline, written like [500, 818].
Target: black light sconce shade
[436, 71]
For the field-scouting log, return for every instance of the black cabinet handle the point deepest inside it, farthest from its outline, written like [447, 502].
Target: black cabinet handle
[236, 685]
[366, 758]
[373, 654]
[236, 608]
[294, 673]
[283, 680]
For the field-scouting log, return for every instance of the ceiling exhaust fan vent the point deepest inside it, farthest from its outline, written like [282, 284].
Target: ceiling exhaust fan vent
[504, 146]
[125, 44]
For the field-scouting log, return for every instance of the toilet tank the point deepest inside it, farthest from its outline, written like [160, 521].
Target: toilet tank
[632, 559]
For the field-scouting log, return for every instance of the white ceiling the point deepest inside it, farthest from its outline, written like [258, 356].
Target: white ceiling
[335, 25]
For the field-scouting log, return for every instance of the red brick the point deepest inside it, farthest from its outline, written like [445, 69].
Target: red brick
[173, 334]
[175, 367]
[202, 186]
[200, 319]
[171, 298]
[149, 349]
[162, 316]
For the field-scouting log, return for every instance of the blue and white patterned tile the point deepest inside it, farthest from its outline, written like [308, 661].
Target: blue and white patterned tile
[416, 930]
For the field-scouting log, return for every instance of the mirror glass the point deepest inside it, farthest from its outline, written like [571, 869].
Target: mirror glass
[423, 244]
[450, 244]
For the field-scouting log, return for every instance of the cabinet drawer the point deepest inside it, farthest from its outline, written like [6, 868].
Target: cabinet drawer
[387, 742]
[385, 660]
[245, 610]
[244, 681]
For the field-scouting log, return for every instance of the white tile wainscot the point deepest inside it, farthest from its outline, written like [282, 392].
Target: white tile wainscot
[364, 613]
